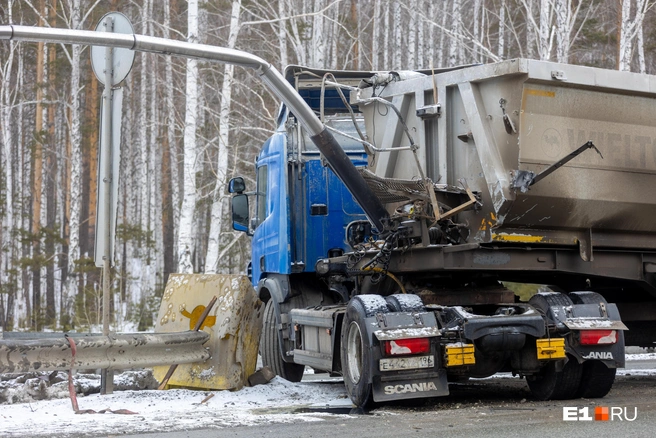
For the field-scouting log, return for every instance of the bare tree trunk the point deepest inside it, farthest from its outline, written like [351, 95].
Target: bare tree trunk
[440, 50]
[397, 59]
[170, 159]
[375, 42]
[155, 244]
[502, 29]
[282, 34]
[431, 33]
[421, 51]
[188, 209]
[16, 312]
[412, 36]
[75, 172]
[334, 36]
[23, 157]
[630, 27]
[530, 30]
[563, 18]
[52, 174]
[212, 258]
[318, 43]
[455, 40]
[641, 51]
[357, 45]
[386, 36]
[37, 182]
[298, 40]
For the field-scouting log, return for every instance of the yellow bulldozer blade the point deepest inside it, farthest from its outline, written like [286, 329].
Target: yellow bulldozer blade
[234, 325]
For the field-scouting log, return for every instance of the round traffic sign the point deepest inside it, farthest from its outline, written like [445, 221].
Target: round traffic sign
[122, 59]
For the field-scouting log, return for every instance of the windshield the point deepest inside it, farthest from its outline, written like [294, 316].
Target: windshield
[343, 124]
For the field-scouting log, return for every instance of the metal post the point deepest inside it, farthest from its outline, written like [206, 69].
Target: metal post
[107, 376]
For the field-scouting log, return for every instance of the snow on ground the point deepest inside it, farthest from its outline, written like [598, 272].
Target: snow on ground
[38, 404]
[641, 356]
[174, 409]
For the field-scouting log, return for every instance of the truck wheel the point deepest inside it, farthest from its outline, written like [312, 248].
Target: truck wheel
[404, 303]
[270, 348]
[550, 384]
[597, 379]
[542, 301]
[356, 352]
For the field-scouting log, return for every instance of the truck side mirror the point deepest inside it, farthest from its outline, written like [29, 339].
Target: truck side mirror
[237, 185]
[240, 213]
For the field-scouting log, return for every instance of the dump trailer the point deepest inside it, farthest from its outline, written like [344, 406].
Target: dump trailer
[518, 171]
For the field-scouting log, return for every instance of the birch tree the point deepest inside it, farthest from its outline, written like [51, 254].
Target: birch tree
[75, 182]
[188, 208]
[282, 33]
[631, 26]
[502, 29]
[565, 23]
[213, 257]
[171, 150]
[318, 49]
[15, 308]
[454, 42]
[412, 36]
[530, 34]
[398, 47]
[375, 41]
[545, 33]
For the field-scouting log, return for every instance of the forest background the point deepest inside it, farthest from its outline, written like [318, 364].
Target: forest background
[189, 126]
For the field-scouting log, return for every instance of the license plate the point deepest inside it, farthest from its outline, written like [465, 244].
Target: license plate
[406, 363]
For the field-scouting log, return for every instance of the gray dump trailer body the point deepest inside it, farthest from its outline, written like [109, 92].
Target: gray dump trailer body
[585, 222]
[553, 109]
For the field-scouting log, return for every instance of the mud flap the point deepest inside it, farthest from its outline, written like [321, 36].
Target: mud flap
[411, 383]
[595, 317]
[234, 325]
[432, 385]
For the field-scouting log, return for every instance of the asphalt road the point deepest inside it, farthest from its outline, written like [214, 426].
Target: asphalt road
[491, 408]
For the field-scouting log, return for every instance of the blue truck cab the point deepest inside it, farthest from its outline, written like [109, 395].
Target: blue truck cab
[301, 207]
[300, 210]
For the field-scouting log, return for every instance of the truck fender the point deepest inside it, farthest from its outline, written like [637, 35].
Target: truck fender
[613, 354]
[275, 287]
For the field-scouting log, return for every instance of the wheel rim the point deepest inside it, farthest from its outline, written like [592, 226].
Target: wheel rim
[354, 352]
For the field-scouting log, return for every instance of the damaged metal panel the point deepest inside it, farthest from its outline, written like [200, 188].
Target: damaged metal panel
[234, 325]
[517, 117]
[488, 147]
[116, 352]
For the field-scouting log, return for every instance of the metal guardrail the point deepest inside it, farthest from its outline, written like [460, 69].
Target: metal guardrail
[32, 336]
[113, 352]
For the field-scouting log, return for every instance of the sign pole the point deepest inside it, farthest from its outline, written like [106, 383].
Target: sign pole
[111, 66]
[107, 376]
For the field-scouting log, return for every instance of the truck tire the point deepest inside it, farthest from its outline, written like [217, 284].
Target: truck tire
[551, 384]
[356, 355]
[597, 379]
[404, 303]
[270, 349]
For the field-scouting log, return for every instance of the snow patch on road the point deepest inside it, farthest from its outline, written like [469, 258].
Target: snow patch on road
[174, 409]
[640, 356]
